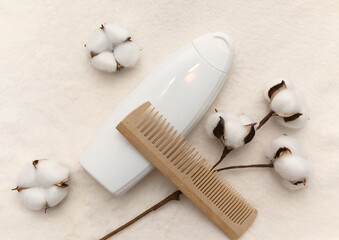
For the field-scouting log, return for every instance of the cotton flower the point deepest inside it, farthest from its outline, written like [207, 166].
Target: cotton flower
[232, 130]
[289, 142]
[127, 54]
[42, 184]
[115, 34]
[289, 161]
[112, 49]
[105, 61]
[286, 104]
[98, 43]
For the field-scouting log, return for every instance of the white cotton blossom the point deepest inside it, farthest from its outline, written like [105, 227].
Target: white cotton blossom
[115, 33]
[55, 195]
[293, 169]
[232, 130]
[244, 119]
[28, 177]
[98, 42]
[105, 61]
[50, 172]
[127, 53]
[112, 49]
[286, 103]
[235, 133]
[289, 161]
[42, 184]
[284, 141]
[34, 198]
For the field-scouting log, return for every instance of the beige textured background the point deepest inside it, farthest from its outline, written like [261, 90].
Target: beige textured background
[52, 102]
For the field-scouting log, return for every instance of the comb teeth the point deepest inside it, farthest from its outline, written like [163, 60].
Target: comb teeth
[190, 161]
[192, 165]
[151, 133]
[161, 144]
[172, 143]
[144, 118]
[153, 125]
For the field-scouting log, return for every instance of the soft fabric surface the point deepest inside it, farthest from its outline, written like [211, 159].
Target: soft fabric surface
[53, 102]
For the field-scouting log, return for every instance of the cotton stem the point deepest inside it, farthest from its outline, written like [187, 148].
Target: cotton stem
[268, 165]
[225, 152]
[265, 119]
[174, 196]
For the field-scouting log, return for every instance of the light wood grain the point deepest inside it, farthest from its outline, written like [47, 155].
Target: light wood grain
[182, 164]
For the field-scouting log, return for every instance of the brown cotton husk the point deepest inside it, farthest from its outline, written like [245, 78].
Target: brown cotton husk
[219, 130]
[281, 152]
[275, 89]
[251, 132]
[62, 184]
[46, 207]
[35, 162]
[299, 182]
[119, 66]
[292, 117]
[18, 189]
[93, 54]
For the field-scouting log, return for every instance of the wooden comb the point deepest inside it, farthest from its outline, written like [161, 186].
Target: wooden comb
[174, 157]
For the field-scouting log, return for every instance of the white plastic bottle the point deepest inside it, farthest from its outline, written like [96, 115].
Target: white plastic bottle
[182, 88]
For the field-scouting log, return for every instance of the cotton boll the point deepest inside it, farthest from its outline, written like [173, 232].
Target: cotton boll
[105, 61]
[33, 198]
[302, 182]
[285, 102]
[111, 48]
[99, 42]
[51, 172]
[239, 130]
[28, 176]
[235, 133]
[297, 123]
[55, 195]
[284, 141]
[292, 167]
[245, 120]
[233, 130]
[292, 186]
[211, 123]
[42, 183]
[273, 83]
[115, 33]
[290, 107]
[127, 53]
